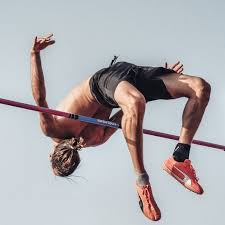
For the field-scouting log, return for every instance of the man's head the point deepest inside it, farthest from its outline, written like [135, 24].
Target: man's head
[65, 157]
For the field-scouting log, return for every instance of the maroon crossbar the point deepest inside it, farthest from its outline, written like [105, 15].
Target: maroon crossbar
[100, 122]
[34, 108]
[174, 137]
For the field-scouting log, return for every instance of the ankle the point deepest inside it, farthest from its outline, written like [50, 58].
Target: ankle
[181, 152]
[142, 179]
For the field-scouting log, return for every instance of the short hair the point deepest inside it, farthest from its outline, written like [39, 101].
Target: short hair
[65, 158]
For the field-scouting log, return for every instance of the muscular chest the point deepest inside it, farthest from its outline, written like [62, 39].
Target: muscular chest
[78, 101]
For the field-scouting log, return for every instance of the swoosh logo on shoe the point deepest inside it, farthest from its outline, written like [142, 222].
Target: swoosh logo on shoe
[186, 178]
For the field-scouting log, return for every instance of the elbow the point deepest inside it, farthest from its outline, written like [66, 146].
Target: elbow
[47, 130]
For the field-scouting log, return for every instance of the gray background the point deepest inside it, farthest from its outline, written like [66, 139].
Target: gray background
[88, 34]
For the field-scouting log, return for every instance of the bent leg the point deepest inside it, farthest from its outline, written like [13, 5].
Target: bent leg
[197, 91]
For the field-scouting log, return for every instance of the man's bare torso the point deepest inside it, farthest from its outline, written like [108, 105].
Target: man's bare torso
[80, 101]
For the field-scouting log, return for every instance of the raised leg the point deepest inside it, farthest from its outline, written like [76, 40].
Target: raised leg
[197, 91]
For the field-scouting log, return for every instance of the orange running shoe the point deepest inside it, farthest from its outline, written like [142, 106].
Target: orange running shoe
[184, 173]
[147, 202]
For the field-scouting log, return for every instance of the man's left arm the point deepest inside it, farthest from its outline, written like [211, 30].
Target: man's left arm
[108, 131]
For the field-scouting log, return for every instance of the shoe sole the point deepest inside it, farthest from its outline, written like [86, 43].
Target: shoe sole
[174, 176]
[142, 209]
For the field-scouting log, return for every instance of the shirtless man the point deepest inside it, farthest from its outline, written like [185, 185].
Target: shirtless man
[128, 87]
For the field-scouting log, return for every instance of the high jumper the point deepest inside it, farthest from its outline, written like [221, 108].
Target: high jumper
[128, 87]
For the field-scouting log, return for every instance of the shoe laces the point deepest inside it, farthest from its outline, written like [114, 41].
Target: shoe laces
[192, 170]
[146, 193]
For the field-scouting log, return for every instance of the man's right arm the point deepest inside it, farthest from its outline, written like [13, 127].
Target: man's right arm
[47, 121]
[39, 92]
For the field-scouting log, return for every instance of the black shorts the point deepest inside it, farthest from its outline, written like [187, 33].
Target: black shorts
[146, 79]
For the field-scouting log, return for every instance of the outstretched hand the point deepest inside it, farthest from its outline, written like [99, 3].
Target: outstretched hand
[177, 67]
[41, 43]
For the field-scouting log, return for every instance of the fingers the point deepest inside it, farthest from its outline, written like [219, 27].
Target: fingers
[46, 38]
[166, 65]
[42, 40]
[51, 42]
[176, 64]
[49, 36]
[34, 41]
[180, 70]
[41, 43]
[178, 67]
[45, 43]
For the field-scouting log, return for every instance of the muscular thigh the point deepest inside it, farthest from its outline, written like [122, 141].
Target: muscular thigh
[181, 85]
[125, 94]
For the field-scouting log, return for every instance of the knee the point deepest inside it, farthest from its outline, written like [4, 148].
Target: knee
[202, 90]
[135, 106]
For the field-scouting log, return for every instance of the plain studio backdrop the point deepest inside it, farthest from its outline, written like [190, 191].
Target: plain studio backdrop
[88, 34]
